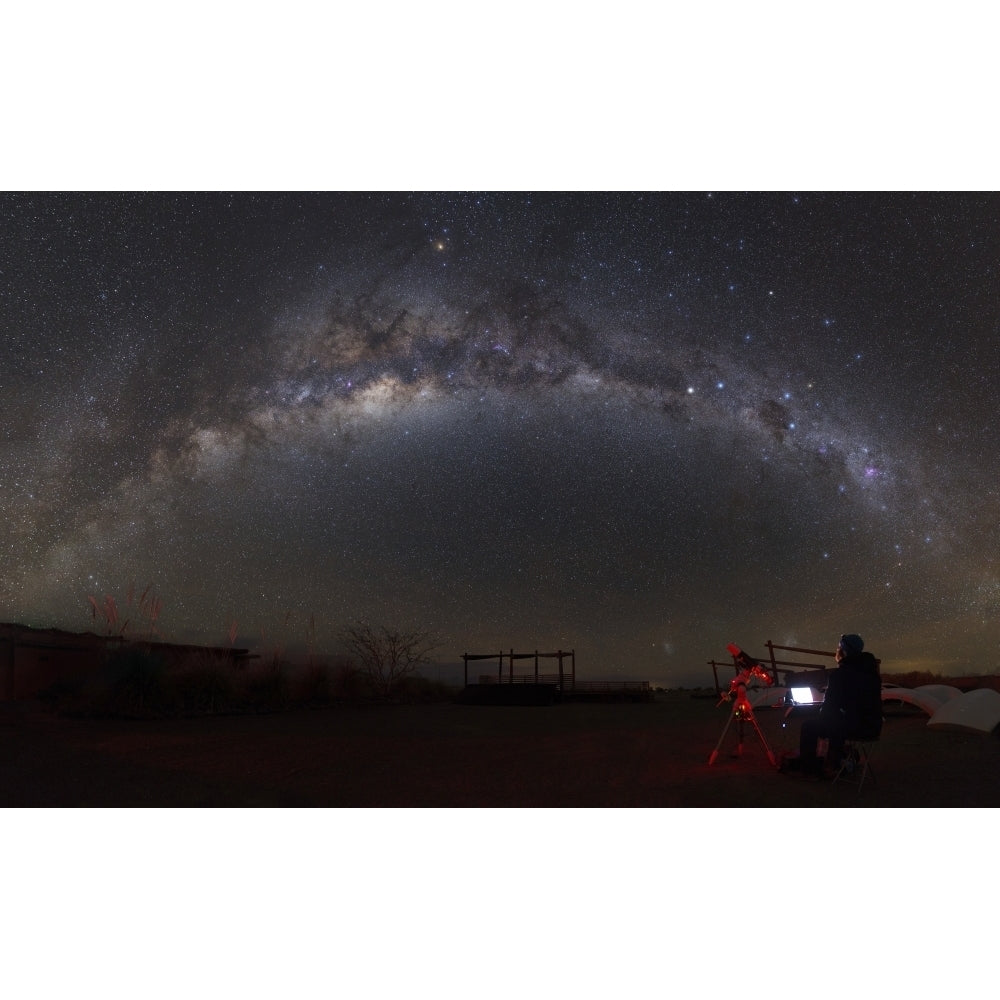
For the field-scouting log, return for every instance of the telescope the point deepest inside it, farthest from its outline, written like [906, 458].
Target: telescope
[748, 668]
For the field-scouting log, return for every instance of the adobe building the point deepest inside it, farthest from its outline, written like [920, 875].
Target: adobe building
[32, 659]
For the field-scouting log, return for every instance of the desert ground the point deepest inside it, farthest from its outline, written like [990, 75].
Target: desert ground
[451, 755]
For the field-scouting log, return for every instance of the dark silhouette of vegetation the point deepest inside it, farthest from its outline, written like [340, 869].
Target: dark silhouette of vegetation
[386, 656]
[138, 679]
[145, 609]
[134, 682]
[134, 679]
[205, 685]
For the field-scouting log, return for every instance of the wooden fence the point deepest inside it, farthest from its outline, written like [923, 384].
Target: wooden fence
[776, 667]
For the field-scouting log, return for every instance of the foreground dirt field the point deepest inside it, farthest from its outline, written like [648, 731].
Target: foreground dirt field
[597, 755]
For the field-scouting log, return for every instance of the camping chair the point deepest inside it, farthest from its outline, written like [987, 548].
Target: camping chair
[856, 762]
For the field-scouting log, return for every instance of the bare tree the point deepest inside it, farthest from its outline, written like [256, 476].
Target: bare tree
[385, 655]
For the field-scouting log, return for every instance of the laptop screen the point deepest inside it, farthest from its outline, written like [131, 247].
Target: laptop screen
[802, 696]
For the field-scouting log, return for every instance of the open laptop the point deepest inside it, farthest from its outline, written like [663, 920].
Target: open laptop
[804, 696]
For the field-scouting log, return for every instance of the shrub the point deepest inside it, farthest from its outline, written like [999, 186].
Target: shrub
[347, 683]
[387, 656]
[913, 678]
[311, 685]
[417, 688]
[267, 688]
[130, 684]
[204, 684]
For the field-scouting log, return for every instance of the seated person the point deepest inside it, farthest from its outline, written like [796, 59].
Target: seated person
[852, 708]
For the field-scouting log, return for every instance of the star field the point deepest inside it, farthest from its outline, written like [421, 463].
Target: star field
[638, 425]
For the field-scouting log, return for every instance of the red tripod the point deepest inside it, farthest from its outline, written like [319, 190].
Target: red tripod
[743, 710]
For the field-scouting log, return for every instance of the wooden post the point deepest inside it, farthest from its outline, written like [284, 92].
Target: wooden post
[465, 660]
[536, 666]
[510, 669]
[774, 666]
[500, 668]
[559, 654]
[572, 663]
[715, 673]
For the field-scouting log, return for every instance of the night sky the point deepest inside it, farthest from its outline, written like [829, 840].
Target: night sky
[640, 426]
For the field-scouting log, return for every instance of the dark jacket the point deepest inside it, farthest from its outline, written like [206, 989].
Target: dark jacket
[854, 696]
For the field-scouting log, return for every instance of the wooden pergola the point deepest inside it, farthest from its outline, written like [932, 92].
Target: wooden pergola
[537, 677]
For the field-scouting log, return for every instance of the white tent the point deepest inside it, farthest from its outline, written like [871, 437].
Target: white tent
[928, 697]
[943, 692]
[977, 710]
[928, 702]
